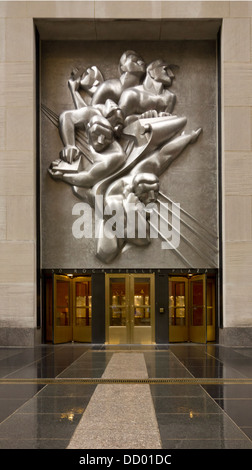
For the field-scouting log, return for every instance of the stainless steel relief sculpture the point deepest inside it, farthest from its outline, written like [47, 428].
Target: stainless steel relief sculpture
[120, 137]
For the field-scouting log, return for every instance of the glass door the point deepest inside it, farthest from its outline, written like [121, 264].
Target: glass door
[210, 308]
[72, 309]
[82, 309]
[130, 309]
[198, 309]
[178, 309]
[192, 308]
[117, 309]
[62, 315]
[142, 311]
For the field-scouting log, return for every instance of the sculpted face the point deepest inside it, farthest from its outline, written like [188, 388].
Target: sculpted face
[90, 77]
[133, 64]
[147, 193]
[114, 115]
[161, 73]
[100, 135]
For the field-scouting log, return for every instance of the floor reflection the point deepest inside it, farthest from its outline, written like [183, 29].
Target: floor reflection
[189, 415]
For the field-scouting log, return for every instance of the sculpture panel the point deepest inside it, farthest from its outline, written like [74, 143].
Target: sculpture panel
[119, 138]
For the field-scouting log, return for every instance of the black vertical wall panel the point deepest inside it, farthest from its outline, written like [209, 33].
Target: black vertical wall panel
[161, 301]
[98, 307]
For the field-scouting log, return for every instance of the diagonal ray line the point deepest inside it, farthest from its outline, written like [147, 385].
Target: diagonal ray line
[192, 218]
[166, 239]
[189, 215]
[82, 141]
[204, 239]
[199, 252]
[54, 118]
[82, 138]
[184, 238]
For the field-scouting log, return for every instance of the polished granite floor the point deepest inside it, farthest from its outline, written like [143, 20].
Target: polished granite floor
[203, 402]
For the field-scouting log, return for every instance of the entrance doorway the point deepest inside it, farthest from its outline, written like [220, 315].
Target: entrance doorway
[71, 315]
[130, 315]
[192, 309]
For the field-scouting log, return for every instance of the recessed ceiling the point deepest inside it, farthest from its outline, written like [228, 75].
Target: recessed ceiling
[77, 29]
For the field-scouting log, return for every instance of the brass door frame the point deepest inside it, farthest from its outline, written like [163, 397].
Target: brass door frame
[115, 334]
[189, 332]
[72, 332]
[198, 334]
[143, 334]
[178, 333]
[83, 333]
[127, 333]
[61, 334]
[211, 333]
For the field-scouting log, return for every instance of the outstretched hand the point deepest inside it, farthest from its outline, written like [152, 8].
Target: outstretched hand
[57, 175]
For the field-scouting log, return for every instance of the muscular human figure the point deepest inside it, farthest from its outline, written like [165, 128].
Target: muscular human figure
[88, 81]
[136, 191]
[140, 117]
[131, 70]
[106, 153]
[79, 119]
[159, 160]
[152, 95]
[132, 198]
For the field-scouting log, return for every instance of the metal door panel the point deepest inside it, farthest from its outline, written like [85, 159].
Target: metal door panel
[142, 315]
[198, 332]
[130, 312]
[82, 309]
[178, 309]
[62, 316]
[117, 308]
[210, 295]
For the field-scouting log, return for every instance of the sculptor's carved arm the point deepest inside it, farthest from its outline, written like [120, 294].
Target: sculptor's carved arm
[162, 158]
[107, 162]
[74, 86]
